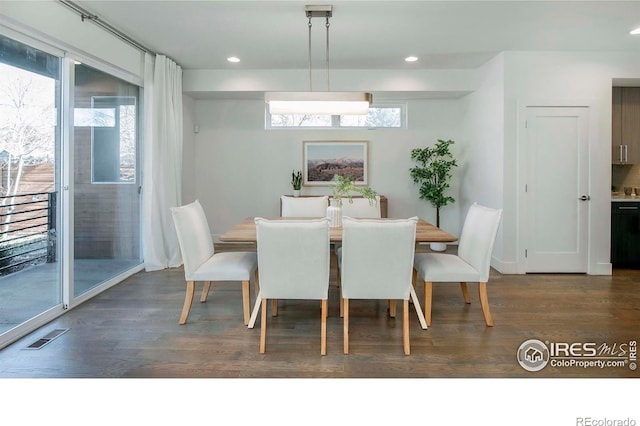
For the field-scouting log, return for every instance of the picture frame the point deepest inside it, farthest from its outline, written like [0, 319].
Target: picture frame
[321, 160]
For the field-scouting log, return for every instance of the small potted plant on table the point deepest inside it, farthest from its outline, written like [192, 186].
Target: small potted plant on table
[296, 182]
[343, 187]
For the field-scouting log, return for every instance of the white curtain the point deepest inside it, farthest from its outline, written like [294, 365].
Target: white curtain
[162, 182]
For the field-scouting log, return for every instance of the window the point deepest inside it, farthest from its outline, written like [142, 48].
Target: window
[112, 120]
[380, 116]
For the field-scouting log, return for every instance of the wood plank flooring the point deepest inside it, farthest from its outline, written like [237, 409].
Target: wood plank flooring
[132, 331]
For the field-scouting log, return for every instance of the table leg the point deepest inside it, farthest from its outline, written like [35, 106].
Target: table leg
[416, 304]
[254, 313]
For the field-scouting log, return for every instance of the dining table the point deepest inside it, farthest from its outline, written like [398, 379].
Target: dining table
[245, 232]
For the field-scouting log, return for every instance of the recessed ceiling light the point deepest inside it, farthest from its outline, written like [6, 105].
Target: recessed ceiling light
[635, 32]
[233, 59]
[411, 58]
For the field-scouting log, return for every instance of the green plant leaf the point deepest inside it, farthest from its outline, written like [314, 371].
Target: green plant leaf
[343, 186]
[296, 179]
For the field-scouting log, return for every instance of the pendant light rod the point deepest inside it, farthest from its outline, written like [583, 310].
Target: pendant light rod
[314, 11]
[319, 103]
[309, 24]
[327, 55]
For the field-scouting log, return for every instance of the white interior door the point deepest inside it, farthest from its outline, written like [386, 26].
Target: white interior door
[556, 190]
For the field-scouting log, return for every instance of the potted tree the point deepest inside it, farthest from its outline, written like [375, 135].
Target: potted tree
[343, 187]
[433, 173]
[296, 182]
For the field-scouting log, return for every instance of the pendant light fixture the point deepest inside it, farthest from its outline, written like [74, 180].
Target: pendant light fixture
[319, 103]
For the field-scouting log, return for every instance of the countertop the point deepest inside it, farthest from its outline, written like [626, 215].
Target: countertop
[632, 198]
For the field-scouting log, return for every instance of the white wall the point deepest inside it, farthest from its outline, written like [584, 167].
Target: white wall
[483, 146]
[242, 169]
[189, 177]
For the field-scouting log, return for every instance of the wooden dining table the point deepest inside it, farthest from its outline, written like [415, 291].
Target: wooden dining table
[245, 232]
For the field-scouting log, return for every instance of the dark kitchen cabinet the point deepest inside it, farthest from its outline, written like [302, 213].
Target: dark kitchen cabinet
[625, 234]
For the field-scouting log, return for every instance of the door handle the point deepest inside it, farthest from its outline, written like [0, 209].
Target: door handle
[626, 153]
[584, 198]
[620, 153]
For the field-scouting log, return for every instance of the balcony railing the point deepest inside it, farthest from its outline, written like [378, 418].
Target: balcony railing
[27, 230]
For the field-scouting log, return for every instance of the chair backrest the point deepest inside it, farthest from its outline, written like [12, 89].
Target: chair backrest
[377, 257]
[315, 207]
[361, 208]
[293, 258]
[478, 237]
[194, 236]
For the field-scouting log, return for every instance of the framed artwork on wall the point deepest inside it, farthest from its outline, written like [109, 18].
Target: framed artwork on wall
[322, 160]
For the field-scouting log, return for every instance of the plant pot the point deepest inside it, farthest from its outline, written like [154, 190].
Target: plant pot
[438, 246]
[296, 192]
[334, 213]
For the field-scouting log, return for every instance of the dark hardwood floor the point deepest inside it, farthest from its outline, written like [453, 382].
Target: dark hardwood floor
[132, 331]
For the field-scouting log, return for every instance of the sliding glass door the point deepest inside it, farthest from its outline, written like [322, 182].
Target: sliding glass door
[30, 98]
[69, 183]
[106, 194]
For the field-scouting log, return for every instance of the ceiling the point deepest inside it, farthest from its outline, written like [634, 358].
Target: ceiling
[367, 34]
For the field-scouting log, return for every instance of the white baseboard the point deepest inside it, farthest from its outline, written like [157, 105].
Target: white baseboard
[507, 268]
[601, 269]
[511, 268]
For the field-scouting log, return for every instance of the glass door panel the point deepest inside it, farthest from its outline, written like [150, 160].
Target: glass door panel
[30, 278]
[106, 196]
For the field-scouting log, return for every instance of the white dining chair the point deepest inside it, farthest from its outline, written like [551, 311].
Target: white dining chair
[471, 264]
[293, 263]
[376, 262]
[202, 263]
[361, 208]
[301, 207]
[304, 207]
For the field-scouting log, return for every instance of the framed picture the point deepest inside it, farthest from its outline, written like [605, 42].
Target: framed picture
[322, 160]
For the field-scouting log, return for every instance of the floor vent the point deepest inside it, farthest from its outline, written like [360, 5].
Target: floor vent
[47, 338]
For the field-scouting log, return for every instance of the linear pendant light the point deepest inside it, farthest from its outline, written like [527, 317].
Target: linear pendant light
[319, 103]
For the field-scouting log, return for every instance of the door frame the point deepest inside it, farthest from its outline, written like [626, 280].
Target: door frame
[522, 165]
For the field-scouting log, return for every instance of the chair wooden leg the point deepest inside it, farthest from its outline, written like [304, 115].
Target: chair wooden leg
[323, 328]
[414, 282]
[392, 308]
[465, 292]
[205, 291]
[405, 327]
[246, 301]
[340, 290]
[345, 320]
[428, 292]
[257, 282]
[274, 307]
[333, 260]
[484, 302]
[188, 299]
[263, 327]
